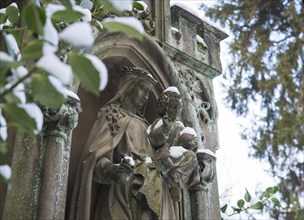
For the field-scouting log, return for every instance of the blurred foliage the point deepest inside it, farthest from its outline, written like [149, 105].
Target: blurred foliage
[265, 199]
[267, 50]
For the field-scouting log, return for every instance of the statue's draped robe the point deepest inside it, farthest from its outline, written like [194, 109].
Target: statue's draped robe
[93, 200]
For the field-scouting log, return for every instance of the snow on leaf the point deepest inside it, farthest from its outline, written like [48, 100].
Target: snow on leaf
[50, 34]
[53, 65]
[3, 127]
[129, 21]
[18, 91]
[177, 151]
[5, 171]
[12, 46]
[101, 68]
[53, 8]
[19, 72]
[122, 5]
[34, 112]
[4, 57]
[79, 35]
[148, 160]
[87, 15]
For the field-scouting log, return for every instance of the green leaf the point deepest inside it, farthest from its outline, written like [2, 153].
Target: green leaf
[240, 203]
[262, 196]
[3, 18]
[247, 196]
[67, 16]
[138, 6]
[12, 13]
[33, 50]
[274, 190]
[67, 4]
[11, 98]
[224, 208]
[268, 192]
[97, 24]
[275, 201]
[34, 18]
[85, 71]
[3, 148]
[115, 26]
[18, 117]
[257, 206]
[44, 92]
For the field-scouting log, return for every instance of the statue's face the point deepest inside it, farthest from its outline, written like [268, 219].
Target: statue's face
[174, 109]
[140, 95]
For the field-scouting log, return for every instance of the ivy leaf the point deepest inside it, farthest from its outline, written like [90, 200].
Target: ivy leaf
[12, 13]
[275, 201]
[34, 18]
[67, 16]
[247, 196]
[224, 208]
[262, 196]
[3, 148]
[44, 92]
[33, 49]
[268, 192]
[257, 206]
[240, 203]
[18, 117]
[83, 68]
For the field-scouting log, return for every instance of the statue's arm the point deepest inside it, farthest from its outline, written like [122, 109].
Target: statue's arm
[159, 132]
[106, 172]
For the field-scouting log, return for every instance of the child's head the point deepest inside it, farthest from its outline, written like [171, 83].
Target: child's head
[169, 103]
[187, 138]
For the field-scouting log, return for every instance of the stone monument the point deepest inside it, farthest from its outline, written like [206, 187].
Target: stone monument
[179, 49]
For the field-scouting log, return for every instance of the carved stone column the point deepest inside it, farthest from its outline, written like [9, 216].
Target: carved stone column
[59, 124]
[199, 194]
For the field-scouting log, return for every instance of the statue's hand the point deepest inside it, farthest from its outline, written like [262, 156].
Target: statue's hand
[121, 173]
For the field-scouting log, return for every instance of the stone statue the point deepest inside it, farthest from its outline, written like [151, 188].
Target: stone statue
[173, 144]
[117, 178]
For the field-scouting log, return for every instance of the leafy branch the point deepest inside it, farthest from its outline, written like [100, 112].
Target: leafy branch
[243, 205]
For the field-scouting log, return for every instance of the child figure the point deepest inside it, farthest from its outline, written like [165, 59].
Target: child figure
[173, 143]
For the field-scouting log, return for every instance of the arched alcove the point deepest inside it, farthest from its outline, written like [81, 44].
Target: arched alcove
[116, 51]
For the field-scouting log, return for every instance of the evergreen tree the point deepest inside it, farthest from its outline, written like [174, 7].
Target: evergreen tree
[267, 69]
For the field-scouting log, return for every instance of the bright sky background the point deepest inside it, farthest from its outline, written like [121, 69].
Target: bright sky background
[235, 170]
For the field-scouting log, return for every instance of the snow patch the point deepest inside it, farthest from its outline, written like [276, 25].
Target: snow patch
[79, 35]
[188, 130]
[185, 7]
[149, 130]
[172, 89]
[19, 92]
[129, 21]
[53, 8]
[19, 72]
[201, 41]
[177, 151]
[101, 68]
[158, 124]
[130, 160]
[206, 151]
[86, 4]
[53, 65]
[148, 160]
